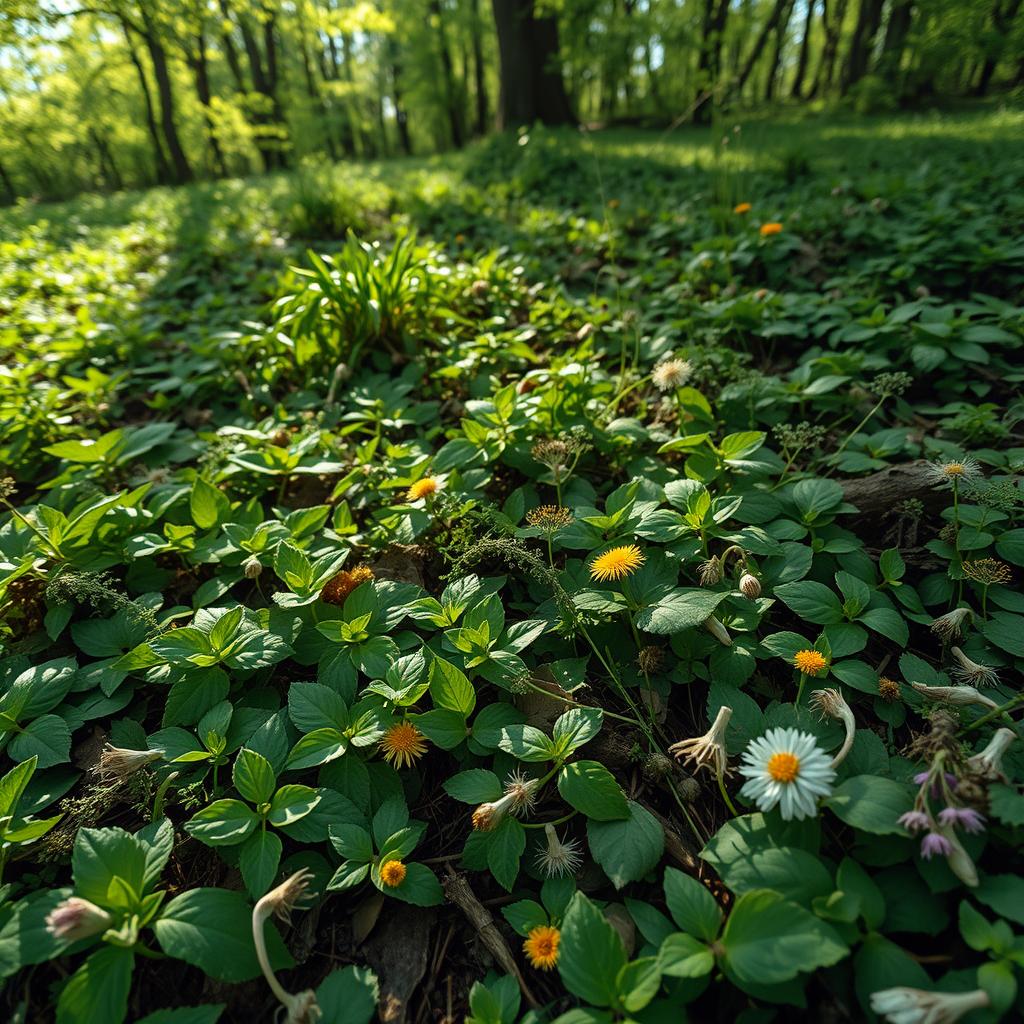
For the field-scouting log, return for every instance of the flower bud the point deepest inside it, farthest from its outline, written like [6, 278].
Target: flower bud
[959, 696]
[717, 630]
[750, 586]
[252, 567]
[916, 1006]
[75, 919]
[989, 762]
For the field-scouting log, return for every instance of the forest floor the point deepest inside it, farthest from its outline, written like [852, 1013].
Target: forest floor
[843, 299]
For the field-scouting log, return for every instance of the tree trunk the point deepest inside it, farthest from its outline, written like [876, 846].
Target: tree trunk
[314, 94]
[805, 52]
[201, 73]
[776, 59]
[833, 27]
[1002, 19]
[165, 93]
[479, 72]
[401, 118]
[869, 18]
[531, 77]
[709, 64]
[452, 105]
[766, 30]
[163, 170]
[900, 16]
[10, 193]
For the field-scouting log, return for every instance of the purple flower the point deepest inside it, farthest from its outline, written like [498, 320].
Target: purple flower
[966, 818]
[914, 821]
[933, 844]
[922, 777]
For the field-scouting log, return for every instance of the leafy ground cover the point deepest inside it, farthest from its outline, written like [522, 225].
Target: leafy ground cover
[577, 580]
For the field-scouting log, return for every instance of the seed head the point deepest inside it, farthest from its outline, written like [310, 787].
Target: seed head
[558, 856]
[118, 762]
[707, 751]
[951, 625]
[987, 571]
[709, 572]
[971, 672]
[671, 374]
[650, 659]
[550, 519]
[889, 690]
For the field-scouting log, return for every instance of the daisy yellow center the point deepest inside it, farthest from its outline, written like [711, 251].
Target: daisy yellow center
[422, 488]
[541, 947]
[616, 563]
[784, 766]
[403, 743]
[392, 873]
[810, 662]
[954, 469]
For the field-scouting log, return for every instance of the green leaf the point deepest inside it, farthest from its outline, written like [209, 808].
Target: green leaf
[253, 776]
[47, 738]
[812, 602]
[208, 1014]
[888, 623]
[794, 873]
[349, 995]
[683, 956]
[627, 850]
[450, 689]
[258, 861]
[871, 803]
[222, 823]
[98, 990]
[527, 743]
[576, 727]
[592, 790]
[692, 907]
[291, 803]
[1004, 894]
[317, 747]
[682, 609]
[590, 953]
[212, 929]
[475, 786]
[208, 505]
[102, 854]
[504, 849]
[768, 940]
[420, 887]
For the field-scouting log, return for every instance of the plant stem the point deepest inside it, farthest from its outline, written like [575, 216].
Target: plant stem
[1002, 710]
[725, 795]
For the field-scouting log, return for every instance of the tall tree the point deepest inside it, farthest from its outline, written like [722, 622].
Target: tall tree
[833, 13]
[779, 41]
[869, 20]
[796, 91]
[1004, 13]
[709, 63]
[532, 88]
[771, 23]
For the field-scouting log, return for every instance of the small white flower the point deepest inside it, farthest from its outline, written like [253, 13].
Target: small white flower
[786, 767]
[954, 471]
[959, 696]
[989, 762]
[707, 751]
[970, 672]
[951, 625]
[559, 857]
[830, 704]
[915, 1006]
[671, 374]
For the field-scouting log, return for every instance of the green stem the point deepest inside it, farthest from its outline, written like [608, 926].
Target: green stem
[1003, 710]
[725, 795]
[800, 688]
[856, 430]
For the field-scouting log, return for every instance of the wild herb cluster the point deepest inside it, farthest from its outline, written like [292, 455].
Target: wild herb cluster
[584, 590]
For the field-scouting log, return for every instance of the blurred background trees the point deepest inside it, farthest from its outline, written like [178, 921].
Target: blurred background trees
[111, 94]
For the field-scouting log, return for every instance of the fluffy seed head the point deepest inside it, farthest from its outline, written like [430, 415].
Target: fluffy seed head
[558, 856]
[971, 672]
[671, 374]
[951, 625]
[954, 471]
[709, 572]
[119, 763]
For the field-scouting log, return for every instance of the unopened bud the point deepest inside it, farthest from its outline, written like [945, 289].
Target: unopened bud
[75, 919]
[717, 630]
[252, 567]
[750, 586]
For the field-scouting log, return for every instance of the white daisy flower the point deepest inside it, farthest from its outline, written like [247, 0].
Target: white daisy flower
[954, 471]
[786, 767]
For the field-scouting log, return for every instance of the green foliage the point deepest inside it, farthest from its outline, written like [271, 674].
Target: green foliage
[436, 583]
